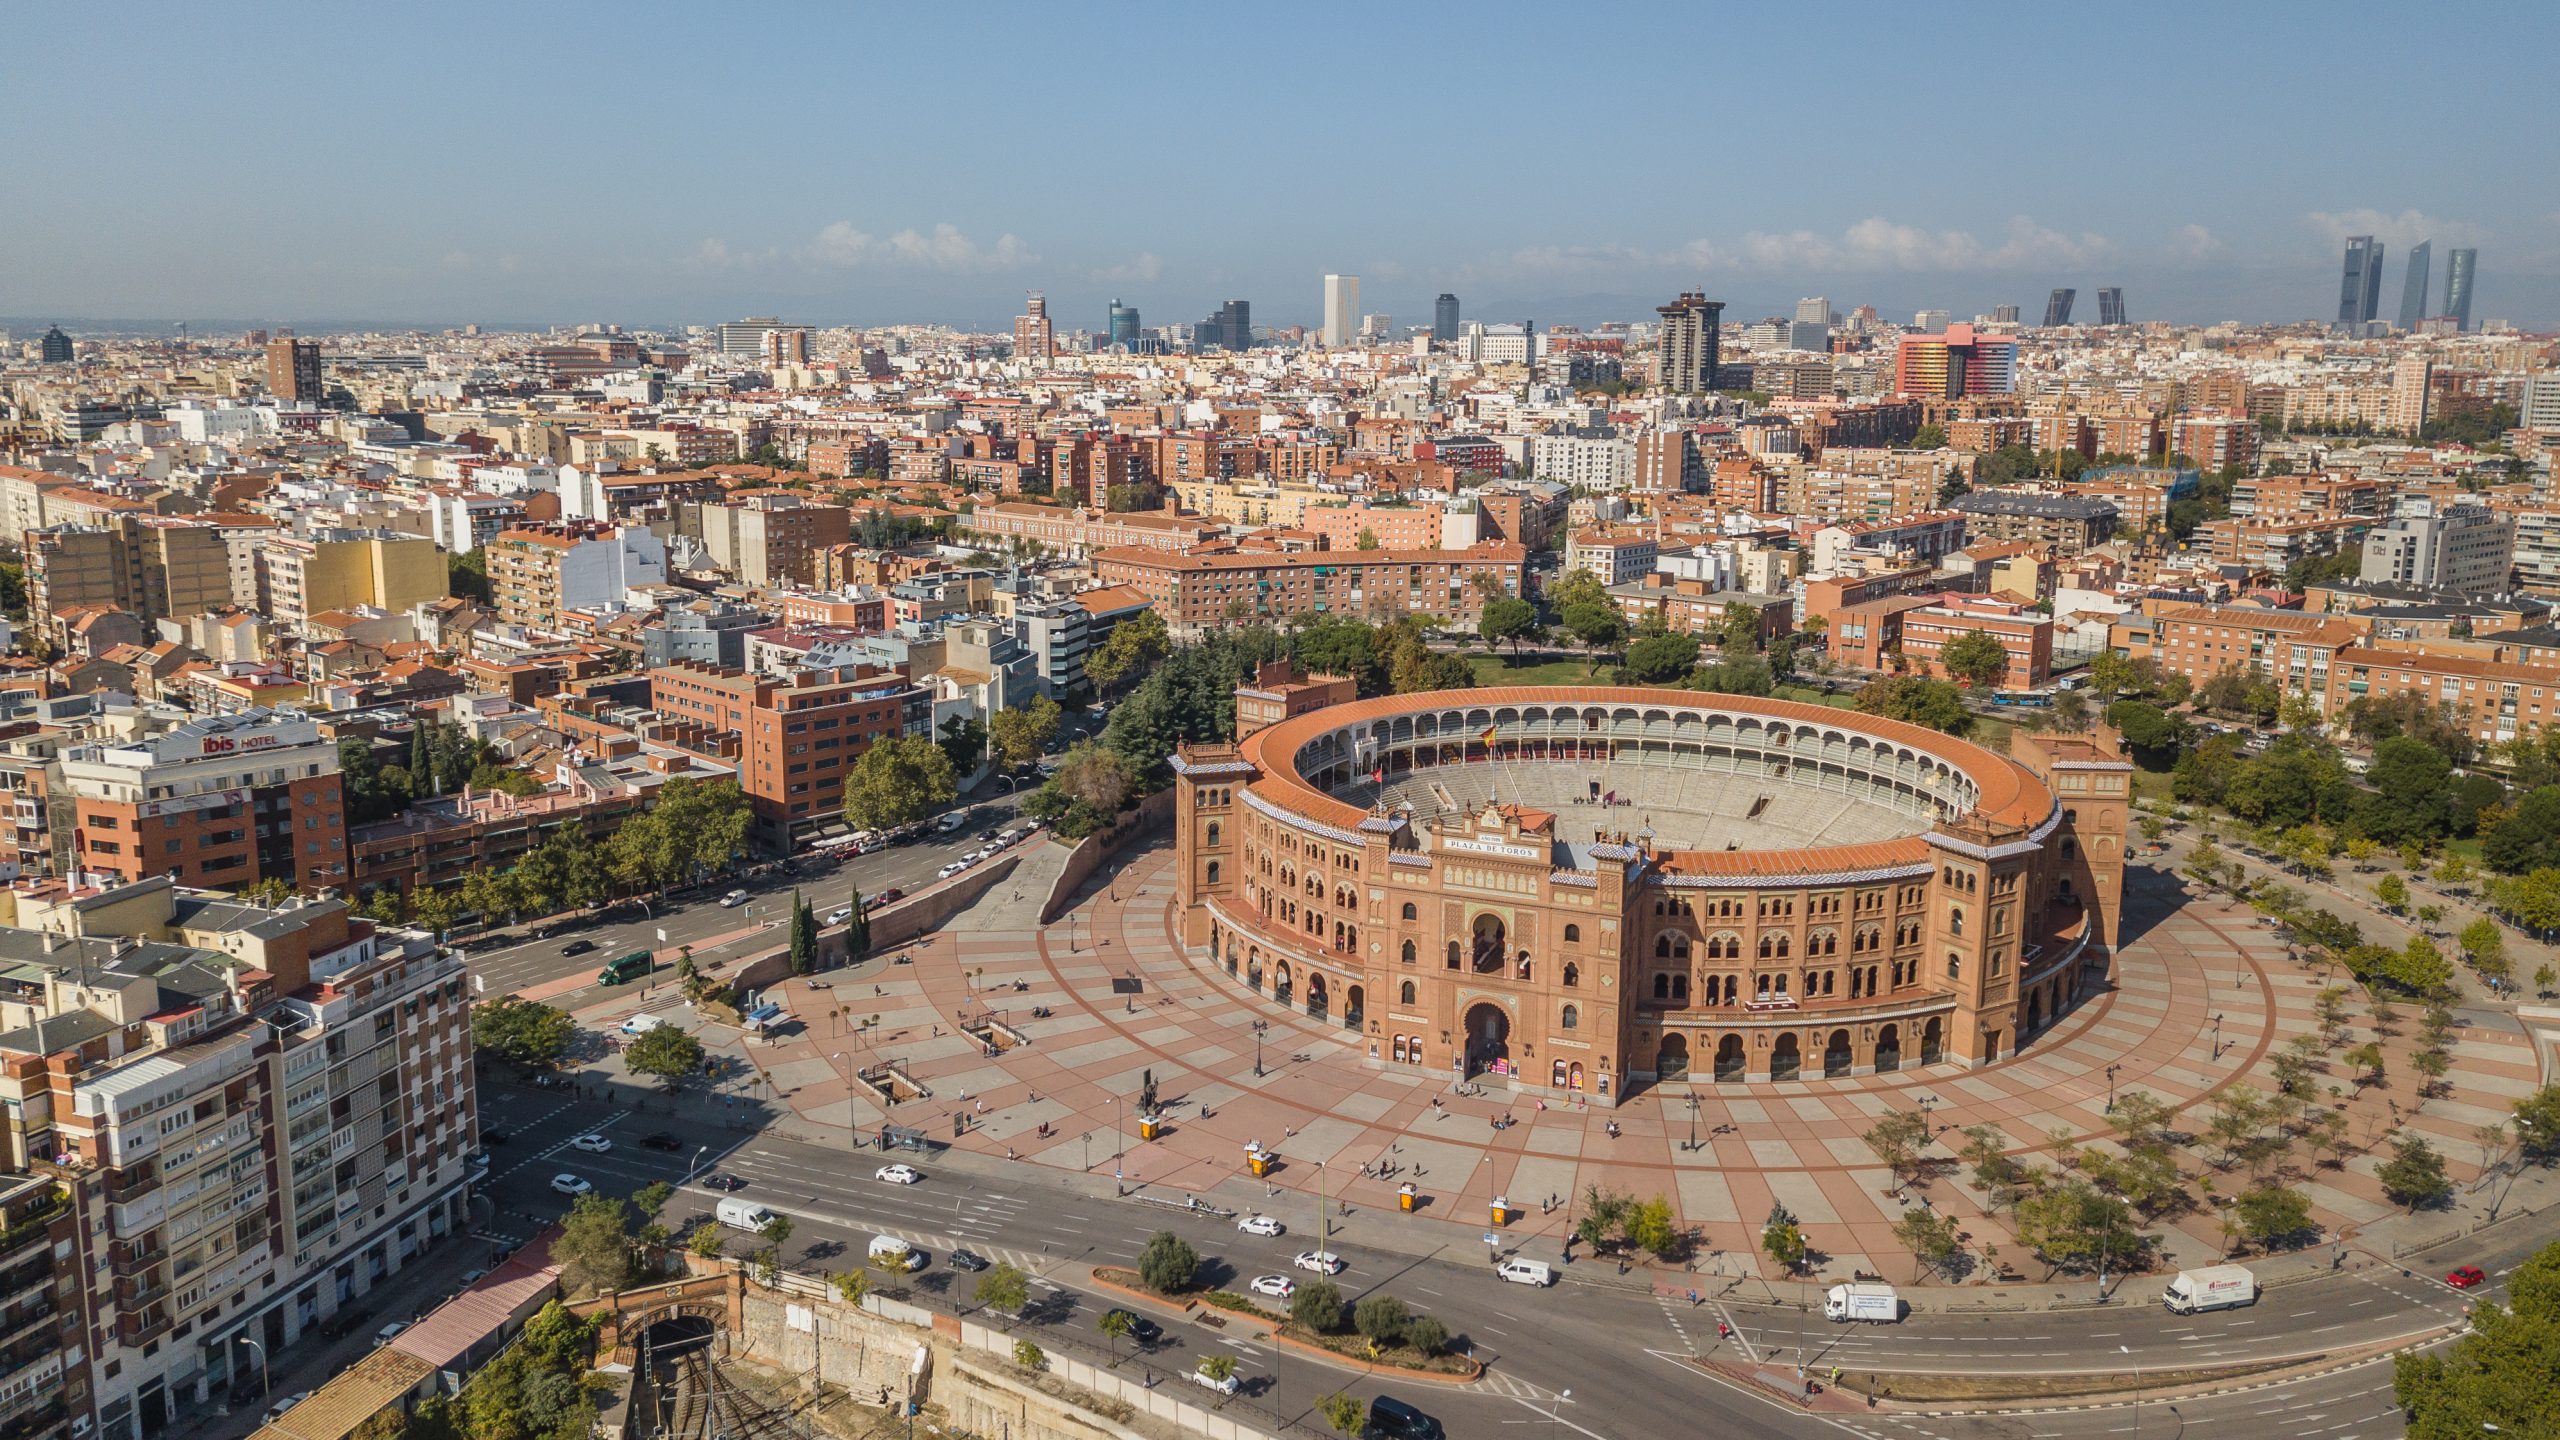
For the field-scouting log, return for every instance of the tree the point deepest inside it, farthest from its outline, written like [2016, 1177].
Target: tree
[776, 1233]
[852, 1285]
[2155, 737]
[1004, 1288]
[1117, 1325]
[2419, 967]
[1738, 633]
[1916, 700]
[2414, 1175]
[2497, 1376]
[1426, 1334]
[857, 926]
[1986, 1150]
[525, 1031]
[1659, 659]
[665, 1052]
[2410, 799]
[2482, 940]
[1650, 1226]
[1029, 1356]
[704, 1243]
[1930, 1235]
[1134, 647]
[1596, 626]
[1089, 787]
[1020, 733]
[2528, 838]
[2273, 1215]
[2074, 1226]
[964, 743]
[2543, 979]
[1168, 1263]
[1898, 1140]
[1343, 1412]
[1380, 1318]
[1509, 619]
[1932, 436]
[2367, 1058]
[898, 781]
[2537, 1119]
[1317, 1306]
[1783, 1241]
[804, 936]
[593, 1247]
[2393, 892]
[1977, 658]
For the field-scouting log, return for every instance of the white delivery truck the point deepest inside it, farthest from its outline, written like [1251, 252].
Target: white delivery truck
[742, 1214]
[1869, 1302]
[2215, 1287]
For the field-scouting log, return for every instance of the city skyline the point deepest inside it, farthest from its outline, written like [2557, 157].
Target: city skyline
[890, 218]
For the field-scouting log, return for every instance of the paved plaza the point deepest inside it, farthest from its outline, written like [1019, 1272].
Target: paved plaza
[1330, 1111]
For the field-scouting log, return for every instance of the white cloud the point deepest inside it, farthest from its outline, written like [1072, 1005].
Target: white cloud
[1145, 267]
[2193, 243]
[844, 247]
[1876, 243]
[2397, 232]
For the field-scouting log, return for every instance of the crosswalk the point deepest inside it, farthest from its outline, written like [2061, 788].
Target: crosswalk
[930, 1216]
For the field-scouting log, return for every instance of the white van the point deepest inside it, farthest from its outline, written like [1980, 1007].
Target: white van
[884, 1246]
[742, 1214]
[639, 1025]
[1527, 1272]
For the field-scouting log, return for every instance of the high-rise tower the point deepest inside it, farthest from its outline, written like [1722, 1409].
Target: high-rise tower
[2360, 282]
[293, 369]
[2458, 267]
[1692, 336]
[2057, 306]
[2413, 290]
[1444, 318]
[1032, 339]
[2111, 306]
[1341, 309]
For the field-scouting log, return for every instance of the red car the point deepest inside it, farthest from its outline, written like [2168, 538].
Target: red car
[2463, 1277]
[890, 896]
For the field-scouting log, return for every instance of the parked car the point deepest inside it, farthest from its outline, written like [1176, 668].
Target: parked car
[1278, 1287]
[276, 1411]
[969, 1260]
[898, 1175]
[390, 1332]
[838, 915]
[570, 1185]
[890, 896]
[733, 899]
[947, 871]
[661, 1140]
[591, 1144]
[2463, 1277]
[1261, 1225]
[577, 947]
[1141, 1329]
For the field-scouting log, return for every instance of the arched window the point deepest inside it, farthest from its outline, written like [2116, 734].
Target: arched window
[1955, 966]
[1569, 1019]
[1410, 913]
[1679, 987]
[1955, 919]
[1404, 993]
[1573, 934]
[1405, 953]
[1572, 974]
[1213, 872]
[1661, 987]
[1453, 954]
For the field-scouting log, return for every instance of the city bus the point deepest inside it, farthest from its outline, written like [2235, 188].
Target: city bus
[630, 967]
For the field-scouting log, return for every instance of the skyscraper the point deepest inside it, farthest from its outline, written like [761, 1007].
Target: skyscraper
[293, 369]
[1341, 309]
[1814, 310]
[57, 347]
[1692, 336]
[1444, 318]
[2458, 267]
[2004, 314]
[1032, 339]
[1956, 364]
[2360, 283]
[1124, 326]
[2111, 306]
[1932, 321]
[2057, 307]
[2413, 290]
[1229, 327]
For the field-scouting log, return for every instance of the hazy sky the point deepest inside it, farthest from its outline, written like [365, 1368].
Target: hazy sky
[550, 161]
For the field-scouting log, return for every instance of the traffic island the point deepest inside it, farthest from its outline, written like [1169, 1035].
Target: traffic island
[1349, 1349]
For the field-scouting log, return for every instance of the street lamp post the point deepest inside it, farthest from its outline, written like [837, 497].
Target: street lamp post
[1258, 1027]
[1555, 1405]
[1693, 1120]
[2111, 1088]
[2217, 1037]
[694, 1165]
[266, 1383]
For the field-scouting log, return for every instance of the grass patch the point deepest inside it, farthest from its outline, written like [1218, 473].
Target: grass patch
[1351, 1344]
[1927, 1389]
[1811, 695]
[1502, 670]
[2154, 786]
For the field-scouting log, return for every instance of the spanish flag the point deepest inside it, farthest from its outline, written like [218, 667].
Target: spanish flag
[1487, 736]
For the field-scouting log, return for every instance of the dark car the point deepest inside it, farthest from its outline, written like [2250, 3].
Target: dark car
[969, 1260]
[1141, 1329]
[493, 1137]
[988, 835]
[577, 947]
[890, 896]
[716, 1181]
[1392, 1419]
[661, 1141]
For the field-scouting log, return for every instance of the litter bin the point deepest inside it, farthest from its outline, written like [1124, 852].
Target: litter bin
[1259, 1162]
[1502, 1211]
[1149, 1127]
[1405, 1198]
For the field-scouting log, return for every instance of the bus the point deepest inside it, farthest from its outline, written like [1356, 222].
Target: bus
[633, 966]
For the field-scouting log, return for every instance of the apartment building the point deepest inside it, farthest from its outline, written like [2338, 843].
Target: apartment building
[2269, 497]
[156, 567]
[1923, 538]
[770, 540]
[1585, 457]
[303, 575]
[253, 1118]
[792, 737]
[539, 573]
[2295, 650]
[1197, 592]
[1696, 607]
[2493, 701]
[2272, 545]
[2067, 523]
[216, 800]
[1082, 532]
[1909, 631]
[2465, 548]
[1618, 557]
[440, 841]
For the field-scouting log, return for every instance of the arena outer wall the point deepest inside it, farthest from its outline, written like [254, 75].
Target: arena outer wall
[1474, 942]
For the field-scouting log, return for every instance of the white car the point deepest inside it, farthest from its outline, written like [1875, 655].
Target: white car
[390, 1332]
[1224, 1385]
[898, 1175]
[973, 857]
[592, 1144]
[839, 915]
[1261, 1225]
[733, 899]
[276, 1411]
[1278, 1287]
[947, 871]
[1323, 1262]
[567, 1184]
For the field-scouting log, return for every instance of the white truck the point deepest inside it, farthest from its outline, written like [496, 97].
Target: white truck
[1868, 1302]
[742, 1214]
[2215, 1287]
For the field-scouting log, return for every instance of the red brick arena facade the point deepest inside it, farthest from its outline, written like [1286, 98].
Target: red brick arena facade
[1590, 890]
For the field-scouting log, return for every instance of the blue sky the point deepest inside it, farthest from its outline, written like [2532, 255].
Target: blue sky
[560, 162]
